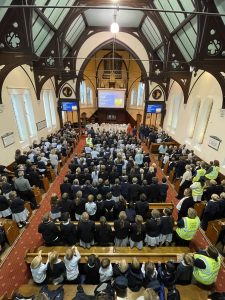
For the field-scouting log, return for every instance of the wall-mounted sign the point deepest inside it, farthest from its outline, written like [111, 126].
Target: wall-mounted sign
[8, 139]
[214, 142]
[41, 125]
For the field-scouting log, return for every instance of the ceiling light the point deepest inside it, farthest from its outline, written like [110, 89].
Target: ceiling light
[114, 27]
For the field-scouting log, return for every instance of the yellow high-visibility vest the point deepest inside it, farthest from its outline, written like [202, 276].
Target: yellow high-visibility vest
[189, 229]
[208, 275]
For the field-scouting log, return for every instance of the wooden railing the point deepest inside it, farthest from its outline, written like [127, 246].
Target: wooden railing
[162, 254]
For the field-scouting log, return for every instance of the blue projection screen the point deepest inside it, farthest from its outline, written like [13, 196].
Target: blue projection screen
[111, 98]
[154, 108]
[69, 106]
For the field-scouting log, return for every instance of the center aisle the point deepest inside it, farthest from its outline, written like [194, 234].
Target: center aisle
[14, 270]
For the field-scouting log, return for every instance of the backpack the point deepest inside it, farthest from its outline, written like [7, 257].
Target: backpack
[105, 288]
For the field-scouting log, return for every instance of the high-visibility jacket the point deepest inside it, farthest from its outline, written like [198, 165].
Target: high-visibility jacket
[213, 174]
[89, 142]
[200, 173]
[189, 229]
[208, 275]
[197, 190]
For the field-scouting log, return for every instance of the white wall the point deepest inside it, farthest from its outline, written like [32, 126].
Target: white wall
[18, 79]
[205, 88]
[95, 40]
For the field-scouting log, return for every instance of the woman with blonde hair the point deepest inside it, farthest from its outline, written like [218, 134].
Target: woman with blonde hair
[39, 269]
[137, 233]
[71, 260]
[122, 229]
[149, 294]
[56, 269]
[121, 268]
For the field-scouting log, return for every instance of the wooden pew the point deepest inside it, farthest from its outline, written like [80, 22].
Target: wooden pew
[11, 230]
[177, 184]
[45, 183]
[214, 229]
[162, 254]
[165, 168]
[197, 293]
[171, 175]
[50, 174]
[155, 146]
[28, 207]
[70, 291]
[37, 194]
[199, 207]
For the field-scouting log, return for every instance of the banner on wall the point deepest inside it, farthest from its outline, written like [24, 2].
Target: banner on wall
[214, 142]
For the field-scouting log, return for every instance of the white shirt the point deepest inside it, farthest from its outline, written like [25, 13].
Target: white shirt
[39, 273]
[53, 159]
[94, 175]
[106, 273]
[186, 176]
[72, 270]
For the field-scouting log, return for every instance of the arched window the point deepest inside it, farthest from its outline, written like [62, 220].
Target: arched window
[89, 96]
[192, 120]
[133, 98]
[83, 92]
[49, 108]
[29, 114]
[24, 114]
[141, 94]
[175, 112]
[203, 119]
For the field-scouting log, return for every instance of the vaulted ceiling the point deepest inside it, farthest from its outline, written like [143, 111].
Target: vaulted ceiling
[175, 34]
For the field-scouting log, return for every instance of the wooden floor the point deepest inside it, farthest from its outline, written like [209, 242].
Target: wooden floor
[190, 292]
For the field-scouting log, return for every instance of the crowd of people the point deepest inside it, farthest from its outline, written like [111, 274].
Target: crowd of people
[30, 166]
[113, 183]
[113, 180]
[198, 182]
[120, 275]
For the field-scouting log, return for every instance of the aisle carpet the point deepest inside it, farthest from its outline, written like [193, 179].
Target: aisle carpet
[14, 270]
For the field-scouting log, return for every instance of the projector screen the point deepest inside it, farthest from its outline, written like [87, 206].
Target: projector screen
[154, 108]
[69, 106]
[111, 98]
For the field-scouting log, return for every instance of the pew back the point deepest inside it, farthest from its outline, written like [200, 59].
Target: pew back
[162, 254]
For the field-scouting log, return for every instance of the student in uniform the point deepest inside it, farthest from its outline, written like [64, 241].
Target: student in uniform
[39, 269]
[86, 230]
[122, 229]
[91, 270]
[137, 233]
[56, 269]
[153, 229]
[103, 233]
[166, 230]
[105, 270]
[68, 230]
[71, 260]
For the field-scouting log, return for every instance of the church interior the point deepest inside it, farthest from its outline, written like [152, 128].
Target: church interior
[112, 158]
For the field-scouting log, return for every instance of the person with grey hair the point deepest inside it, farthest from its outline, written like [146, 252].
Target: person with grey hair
[24, 190]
